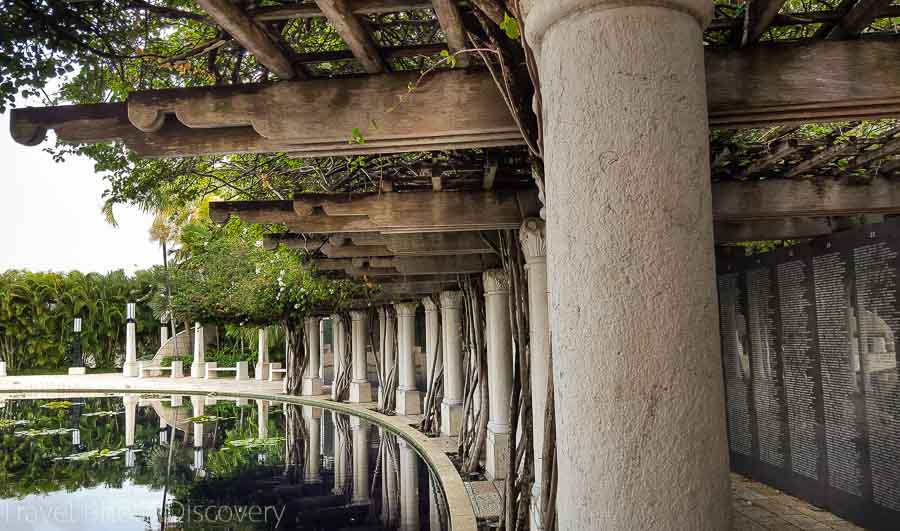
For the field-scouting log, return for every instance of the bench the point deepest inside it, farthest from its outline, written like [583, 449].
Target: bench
[276, 373]
[176, 370]
[241, 370]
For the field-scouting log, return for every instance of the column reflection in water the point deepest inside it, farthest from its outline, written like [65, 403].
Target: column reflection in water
[313, 417]
[198, 406]
[360, 460]
[390, 493]
[130, 402]
[409, 487]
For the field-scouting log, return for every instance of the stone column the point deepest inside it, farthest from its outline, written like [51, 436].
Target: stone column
[198, 367]
[131, 403]
[390, 496]
[360, 461]
[337, 338]
[130, 368]
[262, 350]
[498, 338]
[433, 357]
[322, 349]
[313, 418]
[360, 388]
[312, 383]
[409, 487]
[340, 467]
[531, 235]
[409, 399]
[388, 329]
[451, 332]
[262, 419]
[163, 331]
[638, 377]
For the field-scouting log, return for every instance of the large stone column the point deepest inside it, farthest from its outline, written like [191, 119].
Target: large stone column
[498, 337]
[360, 461]
[531, 234]
[130, 367]
[262, 350]
[409, 399]
[313, 418]
[312, 383]
[198, 367]
[337, 339]
[433, 356]
[360, 388]
[409, 487]
[638, 379]
[388, 329]
[451, 337]
[322, 349]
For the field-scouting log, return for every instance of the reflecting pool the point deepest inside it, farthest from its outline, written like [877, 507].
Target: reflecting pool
[147, 462]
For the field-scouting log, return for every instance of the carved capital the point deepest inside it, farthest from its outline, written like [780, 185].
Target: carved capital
[429, 304]
[310, 321]
[495, 281]
[534, 244]
[451, 299]
[406, 309]
[357, 315]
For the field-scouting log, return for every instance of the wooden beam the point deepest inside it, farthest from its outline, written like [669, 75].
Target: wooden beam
[409, 265]
[787, 198]
[357, 7]
[250, 35]
[451, 22]
[758, 16]
[860, 16]
[773, 229]
[351, 30]
[778, 152]
[821, 158]
[429, 244]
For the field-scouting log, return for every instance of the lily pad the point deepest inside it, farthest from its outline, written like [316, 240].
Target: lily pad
[59, 404]
[103, 413]
[241, 444]
[204, 419]
[9, 423]
[43, 433]
[94, 455]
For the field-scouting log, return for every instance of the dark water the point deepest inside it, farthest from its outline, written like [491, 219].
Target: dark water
[154, 462]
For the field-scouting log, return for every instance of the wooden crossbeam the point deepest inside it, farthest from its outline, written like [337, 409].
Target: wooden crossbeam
[451, 22]
[758, 15]
[778, 152]
[250, 35]
[860, 16]
[408, 265]
[357, 7]
[351, 30]
[773, 229]
[821, 158]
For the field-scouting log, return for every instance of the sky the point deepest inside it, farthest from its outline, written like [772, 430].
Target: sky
[50, 218]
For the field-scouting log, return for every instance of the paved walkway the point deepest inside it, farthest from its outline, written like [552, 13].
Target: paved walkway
[757, 507]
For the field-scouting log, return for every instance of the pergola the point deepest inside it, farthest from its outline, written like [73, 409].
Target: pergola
[652, 152]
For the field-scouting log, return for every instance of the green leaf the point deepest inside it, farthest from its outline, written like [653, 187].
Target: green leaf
[357, 137]
[511, 26]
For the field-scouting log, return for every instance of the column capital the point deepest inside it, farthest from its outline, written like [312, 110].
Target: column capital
[451, 299]
[540, 16]
[406, 309]
[357, 315]
[429, 304]
[495, 281]
[309, 321]
[532, 237]
[335, 317]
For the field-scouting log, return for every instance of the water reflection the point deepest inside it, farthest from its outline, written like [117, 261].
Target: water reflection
[173, 462]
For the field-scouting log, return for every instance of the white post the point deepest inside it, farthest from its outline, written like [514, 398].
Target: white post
[498, 338]
[163, 332]
[198, 367]
[531, 235]
[129, 368]
[322, 350]
[360, 388]
[313, 418]
[360, 461]
[261, 371]
[337, 338]
[451, 333]
[641, 437]
[312, 383]
[433, 357]
[388, 329]
[409, 487]
[409, 399]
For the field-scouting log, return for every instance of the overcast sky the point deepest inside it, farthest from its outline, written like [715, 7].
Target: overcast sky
[50, 216]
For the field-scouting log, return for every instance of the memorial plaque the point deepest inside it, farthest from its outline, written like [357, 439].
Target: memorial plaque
[736, 353]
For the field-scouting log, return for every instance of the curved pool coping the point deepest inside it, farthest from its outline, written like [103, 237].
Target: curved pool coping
[461, 512]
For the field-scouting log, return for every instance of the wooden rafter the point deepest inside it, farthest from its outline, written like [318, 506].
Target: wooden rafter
[773, 229]
[776, 153]
[826, 155]
[351, 29]
[758, 15]
[250, 35]
[860, 16]
[451, 22]
[357, 7]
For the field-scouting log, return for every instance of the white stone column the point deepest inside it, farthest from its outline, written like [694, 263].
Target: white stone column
[163, 332]
[498, 338]
[451, 332]
[388, 329]
[312, 383]
[433, 357]
[2, 369]
[531, 235]
[409, 399]
[129, 367]
[640, 432]
[262, 351]
[360, 388]
[198, 367]
[409, 487]
[262, 419]
[313, 418]
[360, 461]
[337, 338]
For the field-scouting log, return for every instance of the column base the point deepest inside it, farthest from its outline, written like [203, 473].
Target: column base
[129, 370]
[451, 419]
[261, 371]
[80, 371]
[198, 370]
[360, 392]
[312, 387]
[496, 454]
[409, 402]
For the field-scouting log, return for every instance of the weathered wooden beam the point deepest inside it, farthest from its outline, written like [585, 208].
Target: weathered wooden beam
[787, 198]
[861, 15]
[250, 35]
[821, 158]
[252, 211]
[758, 16]
[778, 152]
[429, 244]
[351, 30]
[773, 229]
[408, 265]
[357, 7]
[451, 22]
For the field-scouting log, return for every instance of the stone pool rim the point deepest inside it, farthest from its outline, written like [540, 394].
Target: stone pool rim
[460, 510]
